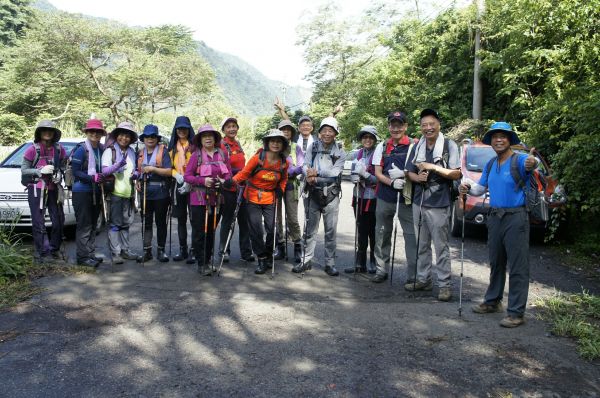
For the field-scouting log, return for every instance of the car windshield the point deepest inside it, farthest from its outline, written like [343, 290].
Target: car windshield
[477, 157]
[16, 158]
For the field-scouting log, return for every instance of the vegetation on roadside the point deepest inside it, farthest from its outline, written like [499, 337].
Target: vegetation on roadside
[577, 316]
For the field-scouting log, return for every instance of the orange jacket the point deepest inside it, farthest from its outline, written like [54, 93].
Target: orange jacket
[260, 186]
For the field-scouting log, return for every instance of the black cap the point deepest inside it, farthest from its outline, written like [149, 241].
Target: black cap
[430, 112]
[397, 115]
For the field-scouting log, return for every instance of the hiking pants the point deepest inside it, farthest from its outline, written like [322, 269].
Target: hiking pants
[365, 225]
[41, 243]
[291, 218]
[87, 206]
[158, 208]
[434, 228]
[229, 204]
[330, 219]
[200, 238]
[508, 245]
[384, 215]
[259, 215]
[121, 218]
[180, 211]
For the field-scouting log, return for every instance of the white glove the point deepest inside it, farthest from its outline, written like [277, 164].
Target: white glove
[361, 169]
[354, 178]
[179, 178]
[185, 188]
[398, 183]
[395, 172]
[57, 178]
[47, 169]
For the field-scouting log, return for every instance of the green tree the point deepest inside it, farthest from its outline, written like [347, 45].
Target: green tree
[14, 18]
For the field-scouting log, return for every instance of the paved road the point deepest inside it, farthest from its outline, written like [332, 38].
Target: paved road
[163, 330]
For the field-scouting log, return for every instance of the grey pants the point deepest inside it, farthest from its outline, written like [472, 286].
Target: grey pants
[87, 206]
[384, 214]
[434, 229]
[291, 219]
[330, 219]
[121, 218]
[508, 244]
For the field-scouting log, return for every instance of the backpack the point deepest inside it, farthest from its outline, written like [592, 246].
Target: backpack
[159, 157]
[534, 189]
[31, 179]
[68, 175]
[454, 184]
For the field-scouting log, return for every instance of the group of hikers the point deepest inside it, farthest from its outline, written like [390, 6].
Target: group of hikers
[205, 178]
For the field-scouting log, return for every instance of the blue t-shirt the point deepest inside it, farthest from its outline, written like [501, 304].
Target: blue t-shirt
[84, 182]
[501, 185]
[154, 191]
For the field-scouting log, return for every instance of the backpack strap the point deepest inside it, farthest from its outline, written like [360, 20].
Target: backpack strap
[445, 153]
[37, 156]
[514, 172]
[57, 155]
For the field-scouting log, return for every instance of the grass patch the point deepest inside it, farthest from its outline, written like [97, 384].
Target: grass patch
[577, 316]
[14, 291]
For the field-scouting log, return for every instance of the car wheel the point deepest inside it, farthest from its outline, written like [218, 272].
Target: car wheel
[455, 221]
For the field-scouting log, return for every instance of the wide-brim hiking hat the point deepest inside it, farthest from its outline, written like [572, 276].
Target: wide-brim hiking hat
[275, 133]
[430, 112]
[331, 122]
[371, 130]
[227, 120]
[304, 119]
[127, 128]
[46, 125]
[94, 124]
[397, 115]
[501, 127]
[150, 130]
[207, 128]
[288, 123]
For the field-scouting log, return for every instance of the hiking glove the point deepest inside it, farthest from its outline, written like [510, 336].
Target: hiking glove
[395, 172]
[361, 169]
[185, 188]
[57, 178]
[47, 169]
[398, 183]
[179, 178]
[354, 178]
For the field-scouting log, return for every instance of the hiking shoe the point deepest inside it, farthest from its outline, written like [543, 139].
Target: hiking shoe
[249, 258]
[358, 270]
[379, 278]
[128, 255]
[445, 294]
[331, 270]
[426, 286]
[512, 321]
[484, 308]
[88, 262]
[116, 259]
[298, 268]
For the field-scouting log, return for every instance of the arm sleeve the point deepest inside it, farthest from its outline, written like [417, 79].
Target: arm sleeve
[337, 168]
[27, 164]
[77, 163]
[190, 172]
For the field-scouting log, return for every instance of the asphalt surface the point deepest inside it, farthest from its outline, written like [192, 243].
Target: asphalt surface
[164, 330]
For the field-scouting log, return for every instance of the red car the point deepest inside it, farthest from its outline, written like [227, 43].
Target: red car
[474, 156]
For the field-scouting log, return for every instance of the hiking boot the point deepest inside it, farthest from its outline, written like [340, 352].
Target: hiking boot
[372, 267]
[484, 308]
[249, 258]
[426, 286]
[262, 266]
[88, 262]
[445, 294]
[358, 270]
[116, 259]
[191, 257]
[512, 321]
[147, 256]
[297, 253]
[161, 255]
[331, 270]
[204, 270]
[99, 260]
[298, 268]
[379, 278]
[129, 255]
[182, 255]
[279, 251]
[56, 255]
[41, 260]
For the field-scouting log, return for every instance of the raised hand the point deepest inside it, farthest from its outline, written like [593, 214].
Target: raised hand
[47, 169]
[531, 161]
[395, 172]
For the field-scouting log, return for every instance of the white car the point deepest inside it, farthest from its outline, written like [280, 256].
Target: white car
[350, 156]
[14, 208]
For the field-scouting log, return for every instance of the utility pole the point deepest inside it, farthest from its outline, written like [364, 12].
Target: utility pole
[417, 7]
[477, 92]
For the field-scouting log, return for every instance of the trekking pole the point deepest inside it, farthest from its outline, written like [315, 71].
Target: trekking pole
[418, 238]
[306, 214]
[231, 228]
[107, 226]
[215, 212]
[462, 254]
[395, 234]
[206, 210]
[355, 229]
[274, 239]
[285, 219]
[144, 183]
[170, 215]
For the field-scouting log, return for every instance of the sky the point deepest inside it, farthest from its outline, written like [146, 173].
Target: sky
[261, 32]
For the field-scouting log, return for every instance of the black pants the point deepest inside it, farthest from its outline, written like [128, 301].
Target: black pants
[87, 206]
[180, 211]
[156, 210]
[242, 220]
[259, 215]
[202, 236]
[41, 243]
[366, 225]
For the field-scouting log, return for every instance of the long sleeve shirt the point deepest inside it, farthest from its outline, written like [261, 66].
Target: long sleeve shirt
[329, 165]
[262, 183]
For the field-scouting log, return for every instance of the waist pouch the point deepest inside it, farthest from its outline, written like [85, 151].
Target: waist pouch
[324, 195]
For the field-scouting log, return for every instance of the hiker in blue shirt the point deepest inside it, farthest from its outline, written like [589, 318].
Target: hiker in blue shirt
[508, 224]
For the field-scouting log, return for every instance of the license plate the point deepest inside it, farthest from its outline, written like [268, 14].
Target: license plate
[9, 214]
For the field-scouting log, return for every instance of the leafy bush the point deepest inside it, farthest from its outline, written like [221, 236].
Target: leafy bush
[14, 259]
[13, 129]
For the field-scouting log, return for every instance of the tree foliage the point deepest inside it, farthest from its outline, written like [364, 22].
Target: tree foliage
[15, 15]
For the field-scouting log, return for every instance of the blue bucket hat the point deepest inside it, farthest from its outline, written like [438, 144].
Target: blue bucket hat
[150, 130]
[182, 122]
[501, 127]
